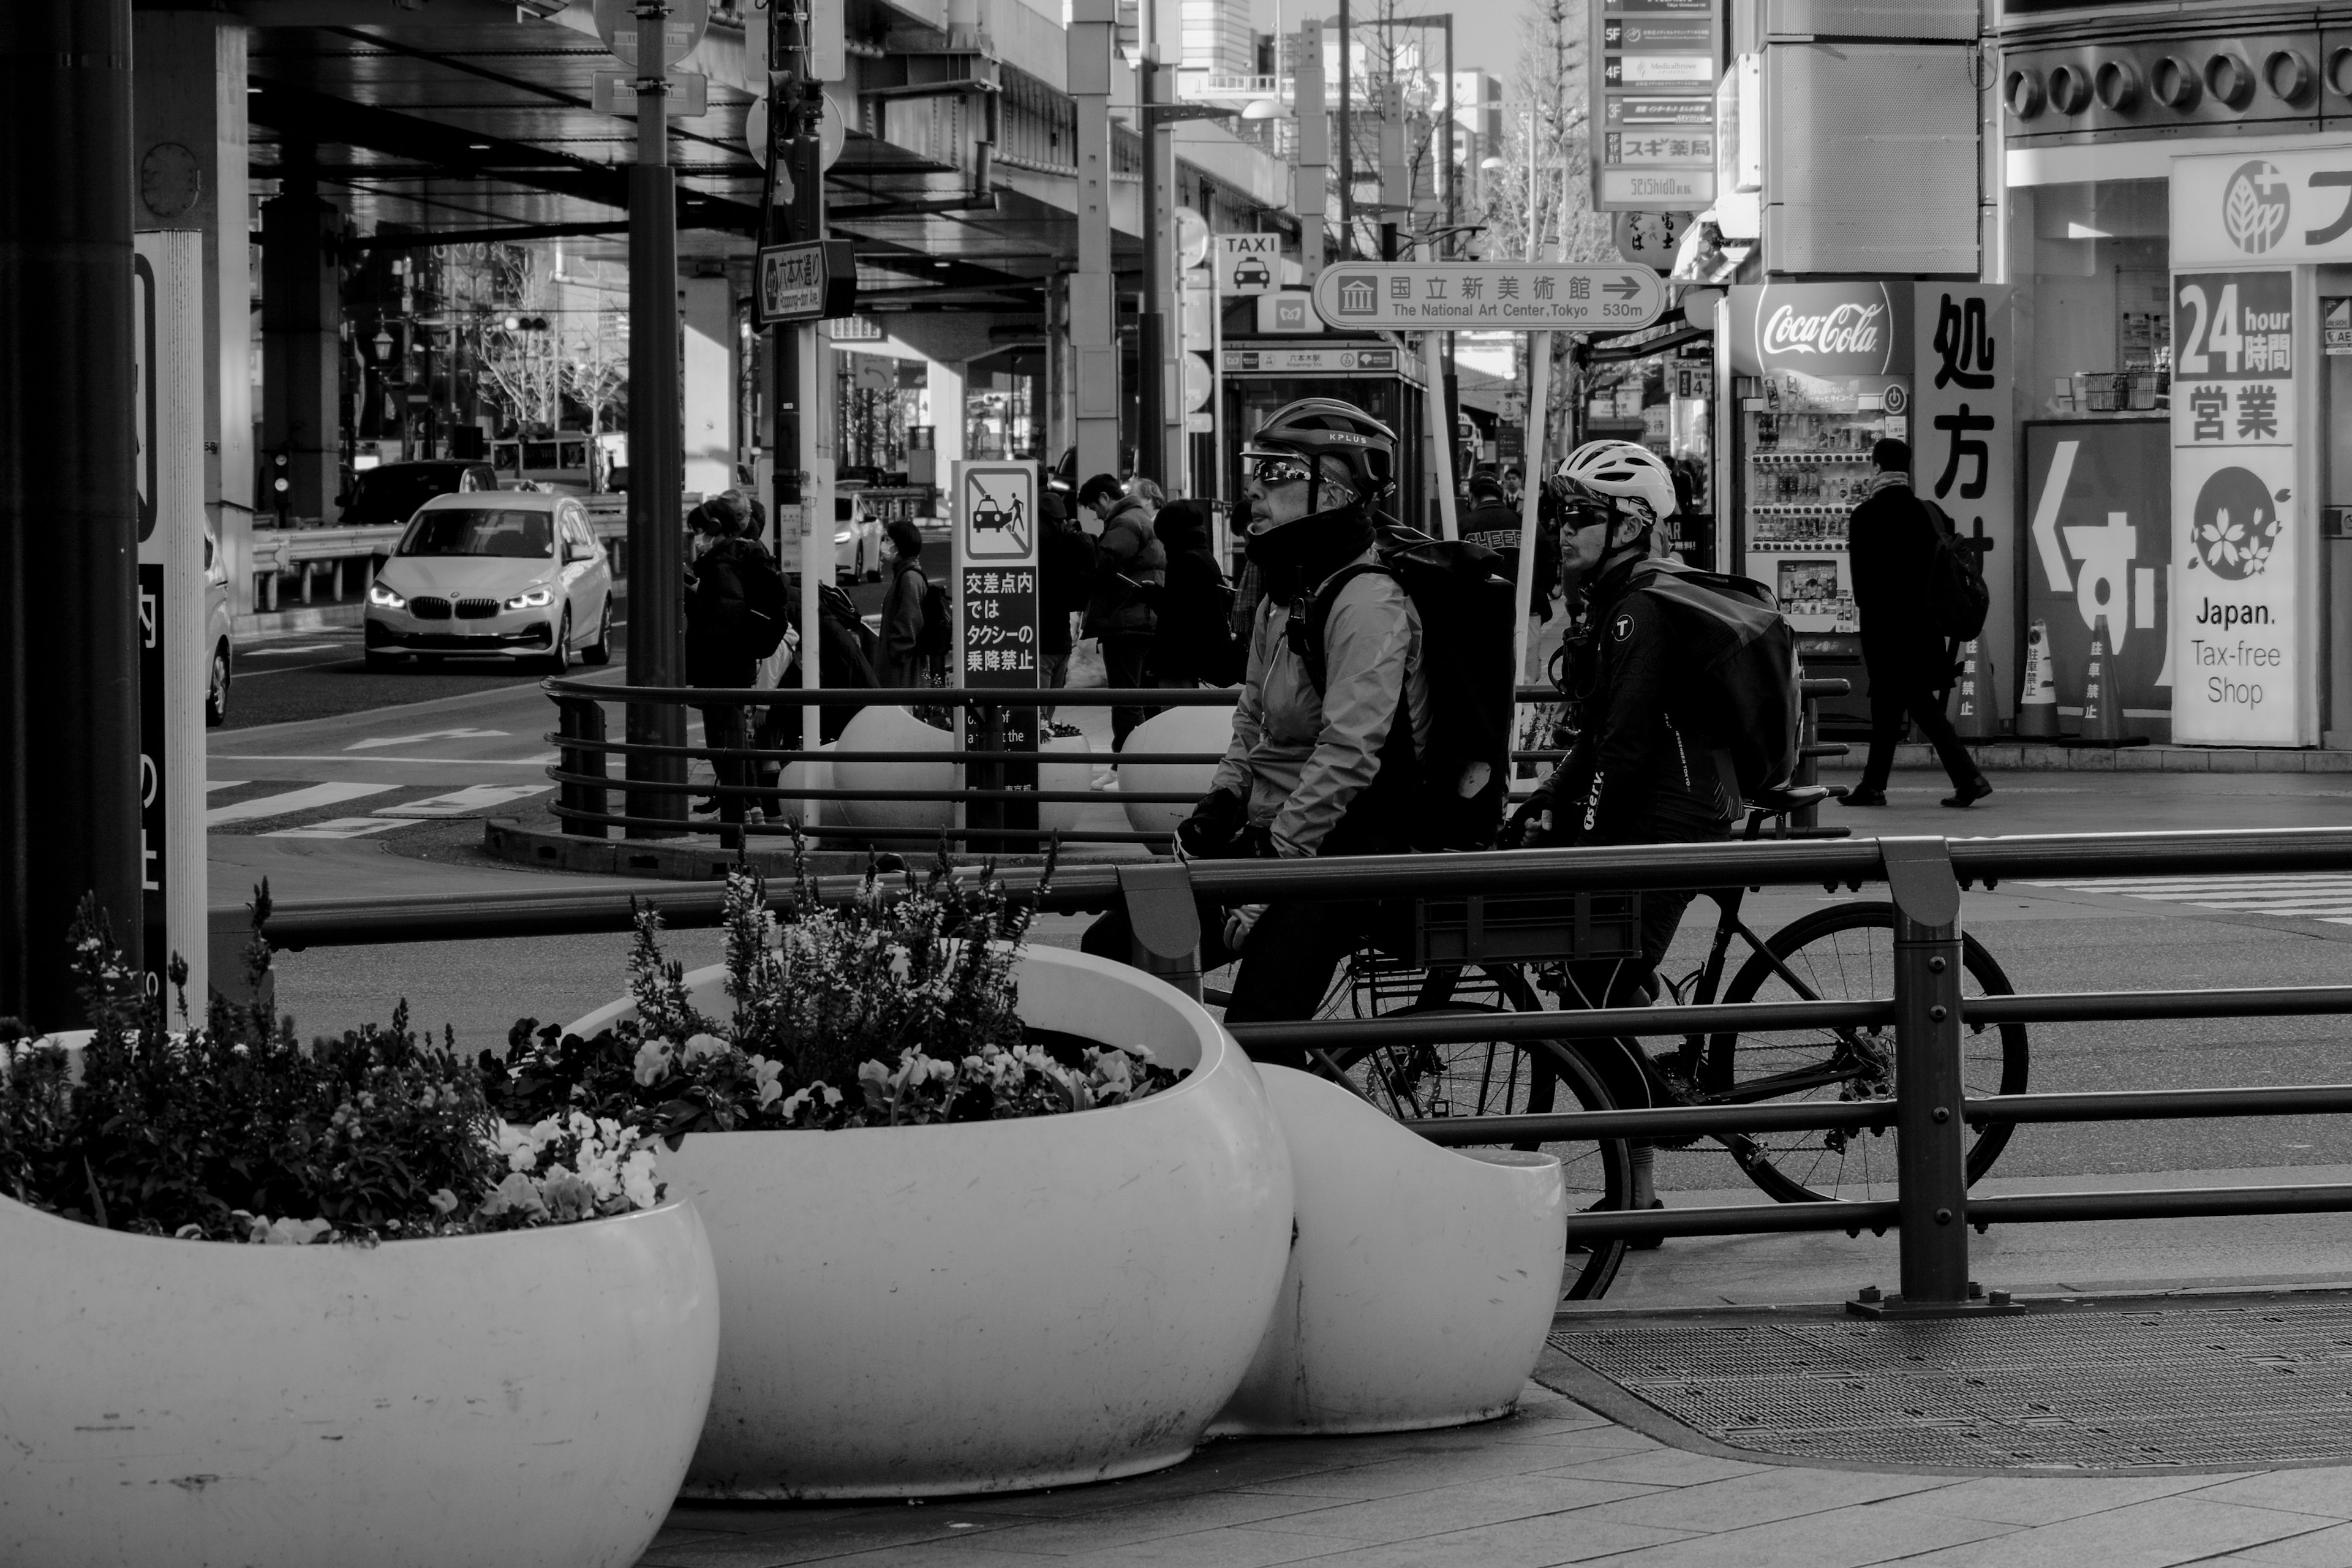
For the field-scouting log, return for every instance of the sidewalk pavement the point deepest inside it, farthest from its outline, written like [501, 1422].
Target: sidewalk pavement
[1554, 1483]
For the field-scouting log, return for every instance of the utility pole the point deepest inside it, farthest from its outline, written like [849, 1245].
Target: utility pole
[1313, 195]
[656, 458]
[1093, 303]
[69, 773]
[1152, 361]
[1346, 135]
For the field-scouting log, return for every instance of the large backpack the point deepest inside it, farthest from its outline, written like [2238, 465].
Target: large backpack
[767, 603]
[1743, 691]
[938, 634]
[1468, 641]
[1958, 599]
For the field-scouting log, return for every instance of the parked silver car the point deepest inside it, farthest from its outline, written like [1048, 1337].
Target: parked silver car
[504, 573]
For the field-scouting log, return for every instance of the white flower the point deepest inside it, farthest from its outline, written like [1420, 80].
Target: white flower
[701, 1046]
[653, 1060]
[638, 1182]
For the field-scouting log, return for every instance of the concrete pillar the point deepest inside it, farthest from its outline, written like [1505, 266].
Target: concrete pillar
[943, 411]
[1313, 193]
[708, 373]
[189, 139]
[1094, 313]
[301, 334]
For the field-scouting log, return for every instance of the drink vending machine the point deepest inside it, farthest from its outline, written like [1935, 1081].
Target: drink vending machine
[1819, 372]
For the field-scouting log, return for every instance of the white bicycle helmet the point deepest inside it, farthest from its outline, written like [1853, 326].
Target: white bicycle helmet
[1617, 472]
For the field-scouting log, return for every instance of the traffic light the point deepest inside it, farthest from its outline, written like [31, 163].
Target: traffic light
[278, 479]
[526, 323]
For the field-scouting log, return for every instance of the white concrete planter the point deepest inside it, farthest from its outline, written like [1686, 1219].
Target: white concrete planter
[993, 1305]
[523, 1400]
[1174, 730]
[893, 729]
[1062, 815]
[1423, 1282]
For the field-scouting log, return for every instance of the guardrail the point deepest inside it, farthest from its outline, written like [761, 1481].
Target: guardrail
[1932, 1209]
[655, 780]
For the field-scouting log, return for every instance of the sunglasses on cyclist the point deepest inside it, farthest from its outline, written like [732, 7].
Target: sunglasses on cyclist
[1276, 468]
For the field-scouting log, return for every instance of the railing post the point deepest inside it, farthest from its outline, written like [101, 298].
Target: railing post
[1808, 765]
[1164, 923]
[1931, 1161]
[581, 719]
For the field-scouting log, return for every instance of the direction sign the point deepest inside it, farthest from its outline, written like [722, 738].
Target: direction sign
[809, 281]
[1249, 263]
[682, 29]
[1525, 296]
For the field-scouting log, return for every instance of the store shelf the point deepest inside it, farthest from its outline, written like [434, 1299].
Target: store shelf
[1791, 459]
[1796, 546]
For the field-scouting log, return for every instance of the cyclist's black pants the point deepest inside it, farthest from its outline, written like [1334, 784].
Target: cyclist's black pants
[1286, 963]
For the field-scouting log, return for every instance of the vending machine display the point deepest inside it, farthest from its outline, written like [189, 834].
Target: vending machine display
[1804, 455]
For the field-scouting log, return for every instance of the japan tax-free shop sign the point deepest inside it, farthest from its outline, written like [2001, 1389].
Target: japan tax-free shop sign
[2245, 615]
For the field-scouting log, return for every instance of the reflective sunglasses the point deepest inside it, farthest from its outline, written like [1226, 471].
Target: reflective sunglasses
[1276, 468]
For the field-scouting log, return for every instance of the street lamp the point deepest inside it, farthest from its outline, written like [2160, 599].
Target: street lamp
[382, 341]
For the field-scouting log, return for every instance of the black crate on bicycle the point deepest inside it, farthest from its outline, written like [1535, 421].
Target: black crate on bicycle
[1526, 929]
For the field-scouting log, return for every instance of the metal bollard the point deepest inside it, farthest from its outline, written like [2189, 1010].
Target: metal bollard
[1165, 924]
[581, 719]
[1931, 1164]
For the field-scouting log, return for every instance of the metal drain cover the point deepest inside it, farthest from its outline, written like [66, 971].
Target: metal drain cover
[2086, 1389]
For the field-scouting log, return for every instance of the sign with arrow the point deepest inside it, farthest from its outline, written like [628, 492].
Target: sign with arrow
[1511, 295]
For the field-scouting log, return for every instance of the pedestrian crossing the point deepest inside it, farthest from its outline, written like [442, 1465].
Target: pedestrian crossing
[305, 800]
[2323, 896]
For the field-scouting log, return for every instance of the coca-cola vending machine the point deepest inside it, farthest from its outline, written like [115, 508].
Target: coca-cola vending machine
[1819, 372]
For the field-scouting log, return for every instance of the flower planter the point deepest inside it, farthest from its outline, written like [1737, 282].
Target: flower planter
[953, 1308]
[1423, 1282]
[527, 1399]
[893, 729]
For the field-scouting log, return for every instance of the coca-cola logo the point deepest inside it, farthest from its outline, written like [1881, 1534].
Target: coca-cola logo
[1831, 329]
[1848, 329]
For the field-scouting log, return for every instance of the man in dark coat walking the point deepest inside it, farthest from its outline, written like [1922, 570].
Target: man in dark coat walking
[1193, 643]
[1891, 541]
[719, 643]
[1066, 571]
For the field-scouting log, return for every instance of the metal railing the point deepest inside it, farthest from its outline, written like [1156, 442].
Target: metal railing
[1932, 1210]
[655, 773]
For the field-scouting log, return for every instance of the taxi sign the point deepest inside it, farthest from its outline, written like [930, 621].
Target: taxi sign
[996, 511]
[1249, 263]
[1521, 296]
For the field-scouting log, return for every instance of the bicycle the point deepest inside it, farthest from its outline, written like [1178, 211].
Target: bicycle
[1474, 955]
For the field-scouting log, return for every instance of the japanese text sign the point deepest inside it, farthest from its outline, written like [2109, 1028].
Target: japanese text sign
[2240, 654]
[1521, 295]
[2098, 494]
[2235, 210]
[996, 573]
[808, 281]
[1653, 103]
[1963, 432]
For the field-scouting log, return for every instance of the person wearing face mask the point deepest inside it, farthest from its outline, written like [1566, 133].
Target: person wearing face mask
[1315, 767]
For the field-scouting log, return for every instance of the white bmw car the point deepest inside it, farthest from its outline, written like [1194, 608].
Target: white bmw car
[505, 573]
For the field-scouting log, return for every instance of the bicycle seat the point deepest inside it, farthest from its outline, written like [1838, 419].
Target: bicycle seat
[1795, 798]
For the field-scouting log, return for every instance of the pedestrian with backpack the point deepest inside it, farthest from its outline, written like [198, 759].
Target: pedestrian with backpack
[1192, 642]
[1905, 569]
[1335, 747]
[1130, 569]
[911, 626]
[734, 604]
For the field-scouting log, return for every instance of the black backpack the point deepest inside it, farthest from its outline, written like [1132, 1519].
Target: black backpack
[1468, 639]
[934, 639]
[1743, 667]
[1958, 599]
[767, 603]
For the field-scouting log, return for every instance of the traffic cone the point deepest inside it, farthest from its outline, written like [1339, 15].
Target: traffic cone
[2037, 709]
[1974, 717]
[2102, 711]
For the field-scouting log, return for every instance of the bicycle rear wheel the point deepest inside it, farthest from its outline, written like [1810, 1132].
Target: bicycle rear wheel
[1507, 1077]
[1847, 953]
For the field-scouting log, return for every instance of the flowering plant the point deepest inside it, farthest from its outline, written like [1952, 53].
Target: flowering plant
[894, 1009]
[233, 1130]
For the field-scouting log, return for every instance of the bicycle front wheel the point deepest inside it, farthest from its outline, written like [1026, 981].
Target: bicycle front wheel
[1507, 1077]
[1840, 954]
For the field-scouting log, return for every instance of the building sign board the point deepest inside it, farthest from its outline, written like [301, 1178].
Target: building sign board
[1964, 434]
[1525, 296]
[2099, 498]
[1287, 312]
[1652, 109]
[2240, 655]
[1249, 263]
[2263, 209]
[1311, 362]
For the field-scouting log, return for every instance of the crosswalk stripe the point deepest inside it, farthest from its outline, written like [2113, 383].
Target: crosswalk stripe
[212, 784]
[2305, 895]
[458, 803]
[306, 799]
[336, 827]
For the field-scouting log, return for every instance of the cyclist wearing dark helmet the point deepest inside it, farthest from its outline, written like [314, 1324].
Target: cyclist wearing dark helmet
[1312, 770]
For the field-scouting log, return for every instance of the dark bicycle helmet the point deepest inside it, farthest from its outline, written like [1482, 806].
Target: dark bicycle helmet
[1320, 428]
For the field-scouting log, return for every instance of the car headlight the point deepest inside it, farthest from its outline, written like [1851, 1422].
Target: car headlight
[531, 599]
[841, 536]
[384, 598]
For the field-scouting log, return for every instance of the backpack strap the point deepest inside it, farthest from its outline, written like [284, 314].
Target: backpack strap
[1306, 638]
